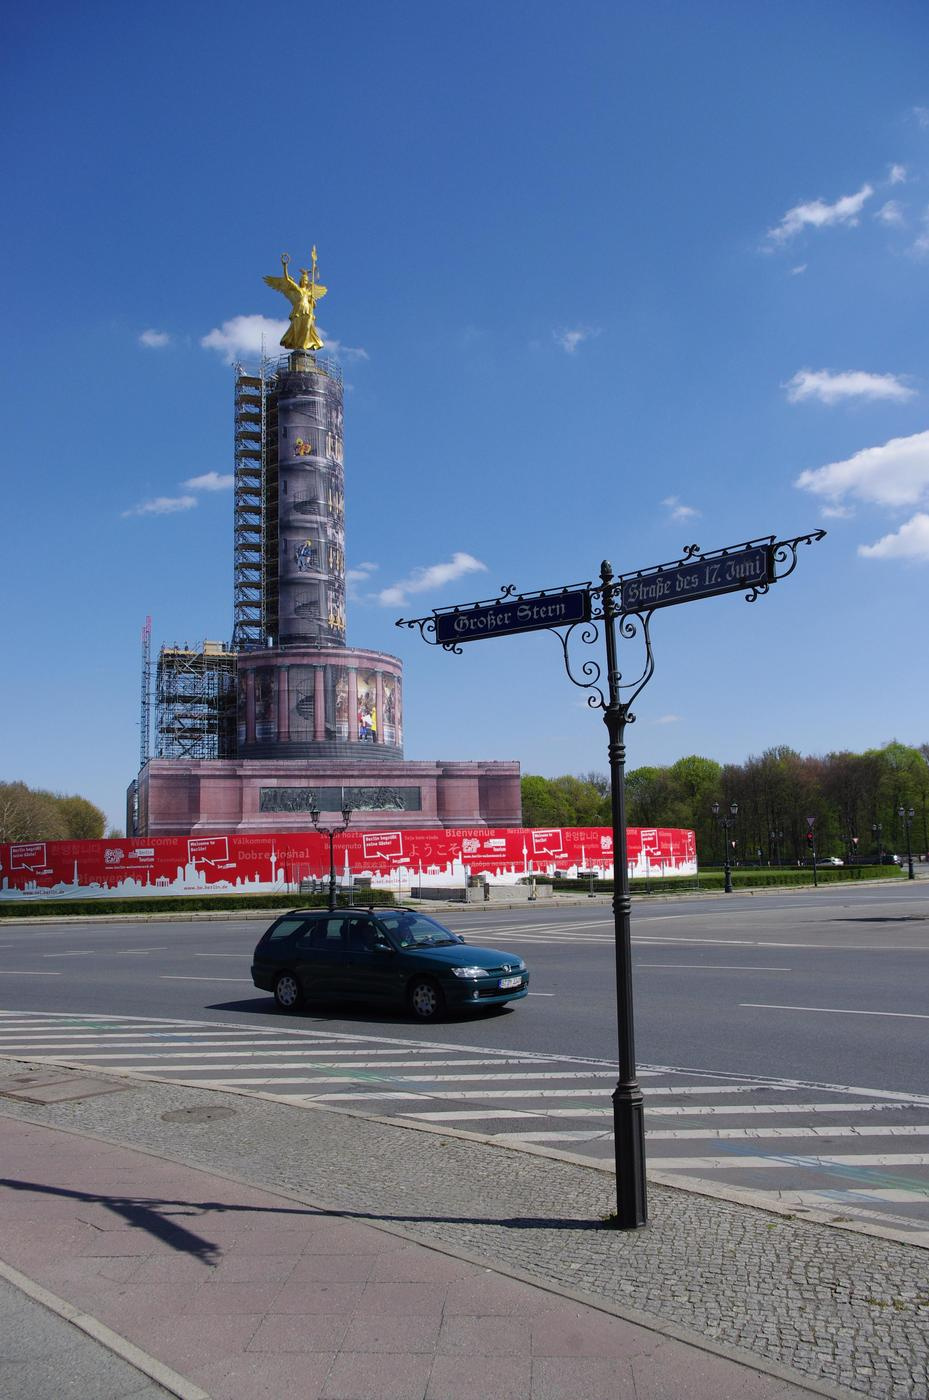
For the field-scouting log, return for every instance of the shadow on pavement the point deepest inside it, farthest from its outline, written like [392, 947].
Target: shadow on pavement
[158, 1217]
[355, 1011]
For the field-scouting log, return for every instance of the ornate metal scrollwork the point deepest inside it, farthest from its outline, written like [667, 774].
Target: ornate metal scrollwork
[588, 635]
[629, 626]
[426, 626]
[783, 550]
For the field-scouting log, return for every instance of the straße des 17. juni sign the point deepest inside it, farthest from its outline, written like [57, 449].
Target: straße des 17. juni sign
[697, 578]
[513, 615]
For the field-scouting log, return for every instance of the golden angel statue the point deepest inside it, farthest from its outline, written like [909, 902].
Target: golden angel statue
[303, 296]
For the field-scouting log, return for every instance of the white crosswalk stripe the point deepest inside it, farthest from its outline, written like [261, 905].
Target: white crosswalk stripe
[747, 1129]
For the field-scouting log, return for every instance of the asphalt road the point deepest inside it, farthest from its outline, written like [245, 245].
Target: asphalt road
[781, 1038]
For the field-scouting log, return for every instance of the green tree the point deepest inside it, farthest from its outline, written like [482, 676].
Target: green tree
[543, 804]
[30, 815]
[586, 805]
[84, 821]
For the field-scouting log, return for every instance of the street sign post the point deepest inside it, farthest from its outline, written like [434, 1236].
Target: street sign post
[723, 572]
[572, 613]
[505, 618]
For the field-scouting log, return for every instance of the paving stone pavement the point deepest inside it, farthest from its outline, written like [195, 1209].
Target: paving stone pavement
[847, 1311]
[43, 1354]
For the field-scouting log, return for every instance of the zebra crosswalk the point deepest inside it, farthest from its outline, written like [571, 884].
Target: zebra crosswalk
[855, 1153]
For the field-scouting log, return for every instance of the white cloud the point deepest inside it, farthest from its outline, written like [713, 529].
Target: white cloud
[245, 335]
[210, 481]
[818, 214]
[831, 388]
[430, 576]
[897, 175]
[678, 511]
[162, 505]
[569, 340]
[361, 571]
[798, 270]
[891, 213]
[667, 719]
[360, 574]
[838, 512]
[922, 116]
[911, 541]
[154, 340]
[922, 242]
[345, 352]
[895, 474]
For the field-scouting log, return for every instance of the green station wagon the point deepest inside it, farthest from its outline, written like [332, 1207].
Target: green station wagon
[390, 956]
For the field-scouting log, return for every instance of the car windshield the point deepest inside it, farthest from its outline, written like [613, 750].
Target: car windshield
[416, 931]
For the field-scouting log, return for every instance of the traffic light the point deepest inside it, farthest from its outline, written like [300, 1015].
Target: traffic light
[809, 838]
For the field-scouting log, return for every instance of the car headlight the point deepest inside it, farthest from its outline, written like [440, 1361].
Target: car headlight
[470, 971]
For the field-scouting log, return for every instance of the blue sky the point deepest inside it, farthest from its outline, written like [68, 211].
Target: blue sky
[605, 281]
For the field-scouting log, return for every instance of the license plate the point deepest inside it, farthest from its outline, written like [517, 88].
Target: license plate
[510, 982]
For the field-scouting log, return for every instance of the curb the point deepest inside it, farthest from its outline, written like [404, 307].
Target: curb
[149, 1366]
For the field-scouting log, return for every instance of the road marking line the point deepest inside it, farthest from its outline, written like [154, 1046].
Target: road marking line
[232, 1059]
[835, 1196]
[471, 1114]
[835, 1010]
[719, 967]
[27, 972]
[175, 977]
[721, 1134]
[705, 1110]
[515, 1138]
[433, 1080]
[890, 1159]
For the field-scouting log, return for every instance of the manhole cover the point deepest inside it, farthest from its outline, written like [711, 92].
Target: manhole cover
[196, 1115]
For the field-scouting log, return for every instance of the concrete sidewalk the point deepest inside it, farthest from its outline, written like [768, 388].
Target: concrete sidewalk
[247, 1248]
[246, 1294]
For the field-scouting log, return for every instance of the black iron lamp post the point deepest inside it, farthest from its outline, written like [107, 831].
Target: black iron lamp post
[725, 824]
[776, 838]
[877, 829]
[908, 815]
[331, 832]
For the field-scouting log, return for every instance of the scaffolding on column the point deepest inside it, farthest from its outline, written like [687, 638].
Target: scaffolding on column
[248, 511]
[145, 717]
[195, 702]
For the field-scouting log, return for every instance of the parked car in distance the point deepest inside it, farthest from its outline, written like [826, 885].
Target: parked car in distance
[830, 860]
[389, 956]
[887, 859]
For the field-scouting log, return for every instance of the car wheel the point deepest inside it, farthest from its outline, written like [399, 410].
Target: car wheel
[287, 992]
[426, 1000]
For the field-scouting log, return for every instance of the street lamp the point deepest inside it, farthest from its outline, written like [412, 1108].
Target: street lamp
[331, 832]
[776, 838]
[725, 823]
[908, 816]
[877, 828]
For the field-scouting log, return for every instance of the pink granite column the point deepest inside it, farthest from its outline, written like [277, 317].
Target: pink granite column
[319, 704]
[283, 705]
[352, 705]
[379, 704]
[249, 707]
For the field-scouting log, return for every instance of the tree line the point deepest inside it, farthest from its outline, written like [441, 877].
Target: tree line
[32, 814]
[853, 798]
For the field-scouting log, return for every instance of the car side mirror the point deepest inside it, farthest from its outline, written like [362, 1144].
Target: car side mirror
[382, 946]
